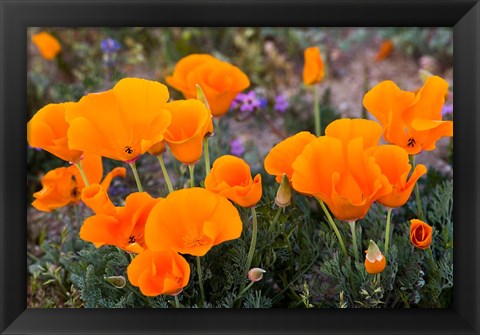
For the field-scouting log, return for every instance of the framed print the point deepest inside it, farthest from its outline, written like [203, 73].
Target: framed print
[239, 167]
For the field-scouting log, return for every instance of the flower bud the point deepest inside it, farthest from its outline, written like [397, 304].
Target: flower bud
[284, 193]
[375, 261]
[117, 281]
[201, 96]
[420, 234]
[256, 274]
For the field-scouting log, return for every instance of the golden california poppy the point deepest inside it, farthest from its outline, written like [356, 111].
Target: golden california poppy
[96, 198]
[121, 123]
[220, 81]
[48, 45]
[346, 179]
[394, 163]
[375, 261]
[124, 227]
[346, 129]
[420, 234]
[64, 185]
[192, 221]
[384, 51]
[412, 121]
[161, 272]
[313, 69]
[280, 158]
[184, 136]
[48, 130]
[230, 176]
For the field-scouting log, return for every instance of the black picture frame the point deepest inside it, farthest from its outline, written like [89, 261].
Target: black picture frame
[17, 15]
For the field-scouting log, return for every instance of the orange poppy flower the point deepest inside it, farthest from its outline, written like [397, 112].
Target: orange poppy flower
[346, 179]
[420, 234]
[412, 121]
[48, 130]
[156, 273]
[96, 198]
[124, 227]
[384, 51]
[121, 123]
[394, 163]
[230, 176]
[375, 261]
[63, 186]
[280, 158]
[191, 221]
[48, 45]
[190, 122]
[348, 129]
[220, 81]
[157, 149]
[313, 69]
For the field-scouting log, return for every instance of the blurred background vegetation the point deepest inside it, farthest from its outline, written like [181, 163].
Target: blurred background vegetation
[94, 59]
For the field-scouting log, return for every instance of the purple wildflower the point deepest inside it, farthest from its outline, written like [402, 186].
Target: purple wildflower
[247, 103]
[263, 102]
[281, 103]
[236, 147]
[110, 45]
[447, 110]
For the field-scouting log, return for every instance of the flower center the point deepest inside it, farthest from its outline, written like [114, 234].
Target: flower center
[411, 142]
[194, 238]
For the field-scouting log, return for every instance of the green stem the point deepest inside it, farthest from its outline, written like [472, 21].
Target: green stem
[177, 302]
[387, 230]
[277, 216]
[244, 291]
[191, 168]
[200, 281]
[165, 174]
[316, 110]
[82, 172]
[334, 226]
[207, 154]
[137, 179]
[251, 251]
[417, 193]
[354, 239]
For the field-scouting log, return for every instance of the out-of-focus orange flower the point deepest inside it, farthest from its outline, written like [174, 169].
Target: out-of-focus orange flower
[63, 186]
[230, 176]
[121, 123]
[375, 261]
[192, 221]
[384, 51]
[313, 69]
[48, 45]
[220, 81]
[190, 122]
[280, 158]
[48, 130]
[394, 163]
[157, 149]
[412, 121]
[342, 176]
[161, 272]
[420, 234]
[124, 227]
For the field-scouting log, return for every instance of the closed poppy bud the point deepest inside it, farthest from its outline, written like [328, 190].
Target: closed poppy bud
[190, 122]
[48, 45]
[256, 274]
[161, 272]
[48, 130]
[201, 97]
[230, 176]
[117, 281]
[284, 193]
[220, 81]
[375, 261]
[420, 234]
[313, 69]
